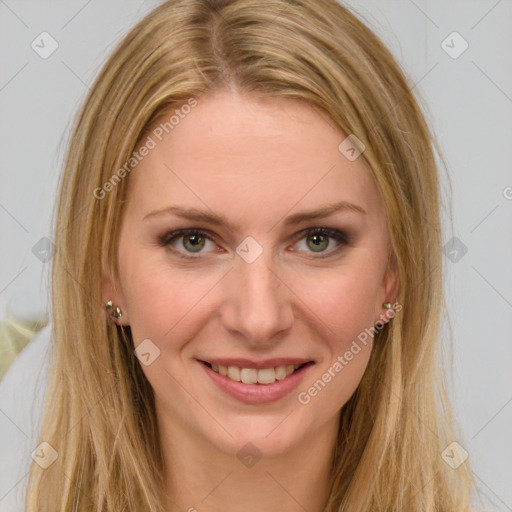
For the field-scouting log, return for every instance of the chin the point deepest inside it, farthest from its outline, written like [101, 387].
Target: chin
[268, 436]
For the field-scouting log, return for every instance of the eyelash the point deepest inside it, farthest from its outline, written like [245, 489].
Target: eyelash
[339, 236]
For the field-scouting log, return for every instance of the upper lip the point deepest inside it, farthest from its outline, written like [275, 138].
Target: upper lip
[241, 362]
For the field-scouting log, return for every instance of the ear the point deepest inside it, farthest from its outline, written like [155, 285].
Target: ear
[111, 290]
[389, 289]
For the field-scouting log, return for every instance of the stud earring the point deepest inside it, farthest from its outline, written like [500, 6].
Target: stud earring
[116, 313]
[387, 305]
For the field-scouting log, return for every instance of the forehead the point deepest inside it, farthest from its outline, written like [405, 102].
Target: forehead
[247, 155]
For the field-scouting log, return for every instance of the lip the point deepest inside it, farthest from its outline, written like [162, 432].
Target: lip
[257, 393]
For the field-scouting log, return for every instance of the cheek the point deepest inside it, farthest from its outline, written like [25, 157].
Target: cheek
[167, 306]
[162, 302]
[345, 300]
[345, 303]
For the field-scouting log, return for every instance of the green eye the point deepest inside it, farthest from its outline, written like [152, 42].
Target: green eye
[187, 241]
[319, 242]
[193, 242]
[322, 240]
[314, 240]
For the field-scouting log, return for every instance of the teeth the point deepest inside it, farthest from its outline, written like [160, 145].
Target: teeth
[234, 373]
[249, 375]
[253, 375]
[266, 376]
[280, 372]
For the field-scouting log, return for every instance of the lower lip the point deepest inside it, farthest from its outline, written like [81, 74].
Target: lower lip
[258, 393]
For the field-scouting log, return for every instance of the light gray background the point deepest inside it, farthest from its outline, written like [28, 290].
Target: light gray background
[468, 103]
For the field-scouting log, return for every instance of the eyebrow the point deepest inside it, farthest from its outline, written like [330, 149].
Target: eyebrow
[218, 220]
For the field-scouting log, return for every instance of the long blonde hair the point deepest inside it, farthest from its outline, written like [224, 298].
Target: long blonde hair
[100, 413]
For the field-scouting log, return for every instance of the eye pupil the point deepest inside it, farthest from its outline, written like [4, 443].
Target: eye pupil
[197, 242]
[320, 242]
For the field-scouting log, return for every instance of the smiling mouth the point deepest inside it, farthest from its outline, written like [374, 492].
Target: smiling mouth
[256, 376]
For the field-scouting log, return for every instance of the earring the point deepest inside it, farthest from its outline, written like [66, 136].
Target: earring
[387, 305]
[116, 313]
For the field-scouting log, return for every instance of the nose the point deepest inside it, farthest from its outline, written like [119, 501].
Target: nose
[258, 304]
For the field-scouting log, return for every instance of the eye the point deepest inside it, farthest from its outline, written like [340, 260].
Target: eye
[318, 240]
[192, 241]
[189, 240]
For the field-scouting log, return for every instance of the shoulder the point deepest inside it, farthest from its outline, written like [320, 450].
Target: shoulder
[15, 334]
[21, 403]
[29, 364]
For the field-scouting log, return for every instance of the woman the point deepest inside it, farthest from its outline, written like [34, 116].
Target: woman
[247, 285]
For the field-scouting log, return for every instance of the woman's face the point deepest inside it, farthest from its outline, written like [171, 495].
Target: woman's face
[283, 263]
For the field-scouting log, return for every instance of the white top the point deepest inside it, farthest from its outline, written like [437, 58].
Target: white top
[21, 401]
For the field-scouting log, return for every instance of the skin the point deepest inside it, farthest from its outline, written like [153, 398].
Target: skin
[256, 162]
